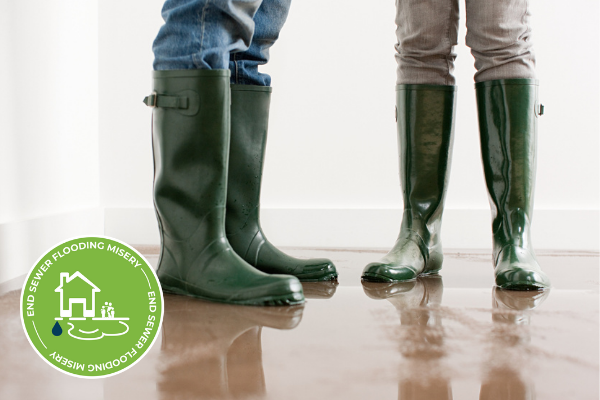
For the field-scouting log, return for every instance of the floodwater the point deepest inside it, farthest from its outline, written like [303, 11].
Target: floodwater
[444, 337]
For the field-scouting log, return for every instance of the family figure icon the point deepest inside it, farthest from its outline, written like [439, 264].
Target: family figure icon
[107, 310]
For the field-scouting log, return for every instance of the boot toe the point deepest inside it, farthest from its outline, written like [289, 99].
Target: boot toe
[318, 270]
[271, 260]
[518, 269]
[521, 277]
[381, 272]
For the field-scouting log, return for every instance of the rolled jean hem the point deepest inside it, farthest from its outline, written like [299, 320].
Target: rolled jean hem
[250, 88]
[190, 73]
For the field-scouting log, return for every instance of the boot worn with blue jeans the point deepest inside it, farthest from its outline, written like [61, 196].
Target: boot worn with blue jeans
[201, 194]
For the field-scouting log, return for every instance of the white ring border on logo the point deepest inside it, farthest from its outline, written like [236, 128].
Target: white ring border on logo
[158, 328]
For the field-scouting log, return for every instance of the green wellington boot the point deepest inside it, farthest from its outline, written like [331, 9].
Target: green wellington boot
[249, 120]
[425, 115]
[190, 126]
[508, 111]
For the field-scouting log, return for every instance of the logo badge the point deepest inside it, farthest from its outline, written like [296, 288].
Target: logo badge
[91, 307]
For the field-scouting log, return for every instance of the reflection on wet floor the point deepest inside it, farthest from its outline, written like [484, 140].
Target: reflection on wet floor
[509, 337]
[213, 351]
[418, 340]
[421, 338]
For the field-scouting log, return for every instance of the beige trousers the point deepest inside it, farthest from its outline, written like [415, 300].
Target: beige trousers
[498, 34]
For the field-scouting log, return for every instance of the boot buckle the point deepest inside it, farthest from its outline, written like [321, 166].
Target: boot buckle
[151, 100]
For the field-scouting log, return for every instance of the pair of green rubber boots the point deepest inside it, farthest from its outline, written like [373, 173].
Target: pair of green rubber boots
[208, 141]
[508, 110]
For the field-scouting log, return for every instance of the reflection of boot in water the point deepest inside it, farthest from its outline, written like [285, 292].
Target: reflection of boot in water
[512, 306]
[213, 350]
[510, 340]
[421, 335]
[319, 290]
[245, 374]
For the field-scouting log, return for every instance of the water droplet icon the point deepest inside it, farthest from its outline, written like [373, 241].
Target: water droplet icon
[57, 330]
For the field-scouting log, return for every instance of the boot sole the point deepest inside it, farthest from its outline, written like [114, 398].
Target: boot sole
[331, 277]
[371, 277]
[284, 300]
[522, 287]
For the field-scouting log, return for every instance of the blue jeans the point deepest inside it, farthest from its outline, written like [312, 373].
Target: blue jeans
[220, 34]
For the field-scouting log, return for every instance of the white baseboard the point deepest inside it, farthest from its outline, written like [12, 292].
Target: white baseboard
[378, 228]
[23, 242]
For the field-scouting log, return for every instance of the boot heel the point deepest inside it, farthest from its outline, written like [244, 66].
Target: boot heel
[169, 283]
[434, 264]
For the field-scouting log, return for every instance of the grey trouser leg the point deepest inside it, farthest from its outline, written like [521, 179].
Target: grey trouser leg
[498, 34]
[427, 31]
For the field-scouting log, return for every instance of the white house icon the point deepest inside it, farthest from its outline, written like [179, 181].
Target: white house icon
[64, 281]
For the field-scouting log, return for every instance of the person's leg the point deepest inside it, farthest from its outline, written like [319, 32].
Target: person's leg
[427, 32]
[249, 125]
[499, 35]
[269, 21]
[201, 34]
[425, 136]
[250, 101]
[425, 106]
[190, 129]
[191, 135]
[508, 111]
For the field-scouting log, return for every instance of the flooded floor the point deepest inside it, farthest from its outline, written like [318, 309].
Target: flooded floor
[446, 337]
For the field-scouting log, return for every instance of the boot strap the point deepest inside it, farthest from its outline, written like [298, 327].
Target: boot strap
[164, 101]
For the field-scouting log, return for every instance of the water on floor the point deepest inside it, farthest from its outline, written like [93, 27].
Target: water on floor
[446, 337]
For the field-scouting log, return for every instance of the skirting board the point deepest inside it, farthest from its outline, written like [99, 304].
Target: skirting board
[378, 228]
[23, 242]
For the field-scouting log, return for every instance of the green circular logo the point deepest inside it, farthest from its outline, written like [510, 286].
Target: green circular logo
[91, 307]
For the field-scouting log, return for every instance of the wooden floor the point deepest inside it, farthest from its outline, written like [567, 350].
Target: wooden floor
[447, 337]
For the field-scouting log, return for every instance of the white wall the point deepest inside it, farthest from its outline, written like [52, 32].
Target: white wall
[126, 31]
[48, 127]
[49, 101]
[76, 149]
